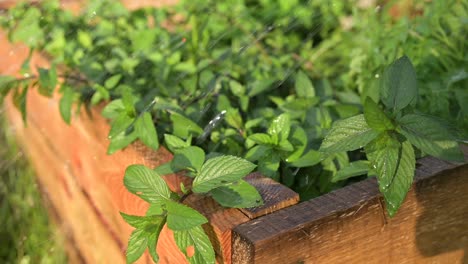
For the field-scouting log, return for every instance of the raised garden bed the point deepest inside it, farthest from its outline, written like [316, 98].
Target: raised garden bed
[85, 187]
[86, 191]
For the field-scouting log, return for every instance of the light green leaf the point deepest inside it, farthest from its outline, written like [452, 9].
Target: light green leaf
[309, 159]
[120, 124]
[112, 81]
[84, 39]
[65, 103]
[188, 158]
[375, 117]
[113, 109]
[233, 118]
[136, 245]
[431, 137]
[298, 139]
[258, 152]
[120, 141]
[261, 138]
[181, 217]
[353, 169]
[285, 145]
[146, 131]
[219, 171]
[383, 153]
[147, 184]
[183, 127]
[195, 238]
[141, 222]
[174, 143]
[303, 85]
[396, 192]
[399, 85]
[165, 169]
[237, 195]
[348, 134]
[153, 237]
[280, 126]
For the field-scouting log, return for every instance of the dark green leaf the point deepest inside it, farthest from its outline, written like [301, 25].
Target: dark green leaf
[237, 195]
[47, 81]
[147, 184]
[181, 217]
[399, 85]
[348, 134]
[375, 117]
[146, 131]
[219, 171]
[431, 137]
[195, 238]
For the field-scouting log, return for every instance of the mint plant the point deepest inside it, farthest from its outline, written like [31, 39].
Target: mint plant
[219, 177]
[389, 135]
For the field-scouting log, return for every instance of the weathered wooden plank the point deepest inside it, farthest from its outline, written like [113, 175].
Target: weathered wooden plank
[350, 226]
[80, 150]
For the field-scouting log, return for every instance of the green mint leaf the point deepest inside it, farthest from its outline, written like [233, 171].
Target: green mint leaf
[353, 169]
[113, 109]
[147, 184]
[120, 124]
[269, 165]
[303, 86]
[136, 245]
[165, 169]
[348, 134]
[219, 171]
[375, 117]
[19, 100]
[431, 137]
[191, 158]
[153, 237]
[47, 81]
[66, 102]
[239, 194]
[285, 145]
[195, 239]
[258, 152]
[121, 141]
[112, 81]
[181, 217]
[280, 127]
[399, 85]
[309, 159]
[261, 138]
[146, 131]
[174, 143]
[383, 153]
[396, 192]
[137, 221]
[298, 139]
[84, 39]
[183, 127]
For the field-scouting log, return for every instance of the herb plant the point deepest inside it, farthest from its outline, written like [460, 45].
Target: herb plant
[301, 96]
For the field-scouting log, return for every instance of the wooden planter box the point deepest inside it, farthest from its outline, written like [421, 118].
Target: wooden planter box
[85, 189]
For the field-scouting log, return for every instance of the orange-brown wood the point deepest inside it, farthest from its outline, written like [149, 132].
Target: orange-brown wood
[350, 225]
[78, 155]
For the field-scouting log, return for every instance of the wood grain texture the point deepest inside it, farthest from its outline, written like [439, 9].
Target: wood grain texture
[350, 225]
[89, 183]
[275, 196]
